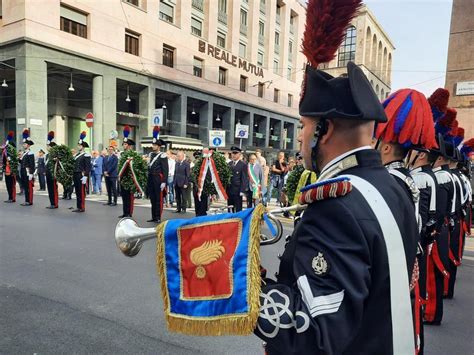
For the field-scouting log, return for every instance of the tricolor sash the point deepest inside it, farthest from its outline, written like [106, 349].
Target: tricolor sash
[254, 181]
[208, 164]
[209, 268]
[129, 164]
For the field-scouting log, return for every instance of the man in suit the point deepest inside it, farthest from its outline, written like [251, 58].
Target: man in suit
[97, 162]
[182, 174]
[239, 182]
[255, 175]
[41, 170]
[110, 169]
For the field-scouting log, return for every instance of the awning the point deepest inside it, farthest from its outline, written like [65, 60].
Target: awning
[185, 146]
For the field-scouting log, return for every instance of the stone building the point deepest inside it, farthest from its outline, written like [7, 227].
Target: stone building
[460, 67]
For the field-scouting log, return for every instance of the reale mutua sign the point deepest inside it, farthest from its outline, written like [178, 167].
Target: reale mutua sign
[230, 59]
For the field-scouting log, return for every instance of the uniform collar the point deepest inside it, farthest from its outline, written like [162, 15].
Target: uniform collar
[397, 164]
[345, 161]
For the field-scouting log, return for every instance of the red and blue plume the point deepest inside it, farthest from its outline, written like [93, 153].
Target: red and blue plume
[446, 124]
[50, 135]
[156, 132]
[439, 103]
[126, 131]
[10, 136]
[410, 121]
[326, 25]
[468, 148]
[26, 133]
[83, 135]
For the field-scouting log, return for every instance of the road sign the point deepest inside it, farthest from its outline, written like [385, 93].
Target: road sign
[217, 139]
[157, 117]
[241, 131]
[113, 134]
[89, 119]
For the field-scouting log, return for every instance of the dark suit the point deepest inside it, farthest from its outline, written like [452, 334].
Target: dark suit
[181, 178]
[41, 171]
[239, 184]
[51, 183]
[110, 166]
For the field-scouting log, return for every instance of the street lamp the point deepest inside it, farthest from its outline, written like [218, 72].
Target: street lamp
[128, 94]
[71, 88]
[4, 84]
[164, 105]
[218, 119]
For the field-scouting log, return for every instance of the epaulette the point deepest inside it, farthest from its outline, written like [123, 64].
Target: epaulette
[323, 190]
[31, 153]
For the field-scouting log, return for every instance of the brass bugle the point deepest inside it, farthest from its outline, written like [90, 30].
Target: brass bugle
[129, 237]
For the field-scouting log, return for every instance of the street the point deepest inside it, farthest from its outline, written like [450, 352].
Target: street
[65, 288]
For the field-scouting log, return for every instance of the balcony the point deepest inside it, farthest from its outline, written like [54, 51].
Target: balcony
[222, 17]
[243, 29]
[261, 40]
[262, 8]
[198, 5]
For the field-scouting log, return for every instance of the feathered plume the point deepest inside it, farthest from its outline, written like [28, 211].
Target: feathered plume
[439, 103]
[156, 132]
[410, 121]
[468, 148]
[126, 131]
[326, 24]
[50, 136]
[83, 135]
[447, 122]
[10, 136]
[26, 133]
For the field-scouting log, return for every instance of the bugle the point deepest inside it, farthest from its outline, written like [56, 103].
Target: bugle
[129, 237]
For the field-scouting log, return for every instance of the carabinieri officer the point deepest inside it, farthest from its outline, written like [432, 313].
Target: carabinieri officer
[343, 282]
[157, 175]
[27, 168]
[82, 168]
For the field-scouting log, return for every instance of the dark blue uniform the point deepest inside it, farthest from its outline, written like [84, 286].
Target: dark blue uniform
[333, 293]
[82, 168]
[27, 168]
[239, 184]
[157, 175]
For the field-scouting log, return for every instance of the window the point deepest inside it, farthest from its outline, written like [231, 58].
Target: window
[166, 12]
[290, 100]
[222, 6]
[242, 50]
[275, 66]
[73, 22]
[276, 95]
[261, 33]
[348, 47]
[289, 73]
[292, 24]
[196, 27]
[168, 56]
[197, 67]
[277, 42]
[260, 58]
[261, 89]
[132, 42]
[221, 39]
[243, 83]
[222, 76]
[243, 17]
[290, 51]
[133, 2]
[278, 13]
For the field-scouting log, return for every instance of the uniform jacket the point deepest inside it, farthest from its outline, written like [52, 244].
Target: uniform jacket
[158, 164]
[82, 163]
[346, 308]
[239, 181]
[110, 165]
[27, 163]
[182, 172]
[97, 164]
[40, 165]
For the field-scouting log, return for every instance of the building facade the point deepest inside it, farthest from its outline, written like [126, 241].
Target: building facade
[367, 45]
[204, 65]
[460, 67]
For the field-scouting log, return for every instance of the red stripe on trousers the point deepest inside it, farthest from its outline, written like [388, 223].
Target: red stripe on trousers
[463, 230]
[430, 309]
[14, 188]
[55, 192]
[83, 193]
[30, 192]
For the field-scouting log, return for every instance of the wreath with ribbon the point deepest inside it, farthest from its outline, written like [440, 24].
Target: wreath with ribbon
[133, 171]
[292, 182]
[12, 163]
[214, 164]
[61, 164]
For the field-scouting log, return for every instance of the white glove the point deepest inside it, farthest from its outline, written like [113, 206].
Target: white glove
[30, 177]
[241, 194]
[162, 186]
[84, 180]
[9, 159]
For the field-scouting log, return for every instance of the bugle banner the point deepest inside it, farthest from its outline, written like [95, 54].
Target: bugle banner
[209, 268]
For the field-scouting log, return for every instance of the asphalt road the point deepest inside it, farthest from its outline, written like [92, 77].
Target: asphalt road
[65, 288]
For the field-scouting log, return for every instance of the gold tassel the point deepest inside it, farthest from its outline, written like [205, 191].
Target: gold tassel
[242, 324]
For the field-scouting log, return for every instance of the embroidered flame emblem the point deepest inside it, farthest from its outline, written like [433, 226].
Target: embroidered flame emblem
[205, 254]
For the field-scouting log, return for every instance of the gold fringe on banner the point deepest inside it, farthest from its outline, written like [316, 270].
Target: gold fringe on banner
[227, 324]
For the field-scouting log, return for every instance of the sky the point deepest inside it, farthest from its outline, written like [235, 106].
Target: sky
[419, 30]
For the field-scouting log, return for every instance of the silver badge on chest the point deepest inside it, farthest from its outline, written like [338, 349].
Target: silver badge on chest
[319, 264]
